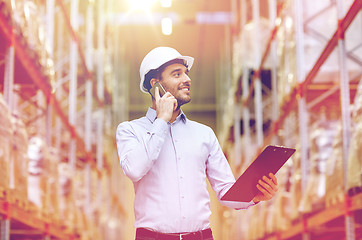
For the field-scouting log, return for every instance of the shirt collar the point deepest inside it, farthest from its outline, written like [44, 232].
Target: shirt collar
[152, 115]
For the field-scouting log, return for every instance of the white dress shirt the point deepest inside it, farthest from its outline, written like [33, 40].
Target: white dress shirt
[168, 164]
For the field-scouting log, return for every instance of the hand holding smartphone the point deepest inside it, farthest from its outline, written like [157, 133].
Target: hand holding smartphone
[160, 89]
[165, 105]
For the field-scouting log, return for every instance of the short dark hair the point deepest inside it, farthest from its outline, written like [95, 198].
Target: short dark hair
[157, 73]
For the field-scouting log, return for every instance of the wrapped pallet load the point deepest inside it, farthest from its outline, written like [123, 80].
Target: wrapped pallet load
[80, 198]
[296, 184]
[38, 155]
[5, 144]
[52, 187]
[254, 232]
[335, 171]
[99, 198]
[267, 216]
[283, 203]
[354, 183]
[322, 135]
[19, 163]
[66, 204]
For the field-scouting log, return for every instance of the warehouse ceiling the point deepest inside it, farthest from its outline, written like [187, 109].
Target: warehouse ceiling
[199, 30]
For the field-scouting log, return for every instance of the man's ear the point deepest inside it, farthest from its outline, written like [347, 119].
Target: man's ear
[153, 81]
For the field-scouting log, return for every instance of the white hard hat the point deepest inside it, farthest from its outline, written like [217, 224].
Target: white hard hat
[156, 58]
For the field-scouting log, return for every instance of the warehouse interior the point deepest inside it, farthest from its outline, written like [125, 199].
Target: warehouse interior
[266, 72]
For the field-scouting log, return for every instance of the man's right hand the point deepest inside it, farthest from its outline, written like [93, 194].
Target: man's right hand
[165, 105]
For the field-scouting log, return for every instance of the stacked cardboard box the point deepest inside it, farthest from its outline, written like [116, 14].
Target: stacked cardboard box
[6, 129]
[321, 149]
[19, 163]
[354, 183]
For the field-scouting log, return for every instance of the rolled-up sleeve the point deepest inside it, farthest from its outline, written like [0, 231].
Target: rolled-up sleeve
[138, 148]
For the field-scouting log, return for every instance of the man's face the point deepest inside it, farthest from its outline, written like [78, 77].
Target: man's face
[175, 80]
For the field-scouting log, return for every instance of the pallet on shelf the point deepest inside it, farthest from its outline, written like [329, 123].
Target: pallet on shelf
[5, 136]
[18, 199]
[4, 183]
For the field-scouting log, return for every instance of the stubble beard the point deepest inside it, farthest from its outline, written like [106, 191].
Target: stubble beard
[183, 98]
[181, 102]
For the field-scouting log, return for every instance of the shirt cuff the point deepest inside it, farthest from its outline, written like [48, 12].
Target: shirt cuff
[160, 127]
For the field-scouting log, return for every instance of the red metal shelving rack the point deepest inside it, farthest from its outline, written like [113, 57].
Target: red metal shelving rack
[10, 212]
[299, 90]
[39, 79]
[351, 204]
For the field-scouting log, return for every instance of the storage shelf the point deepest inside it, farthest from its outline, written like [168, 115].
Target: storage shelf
[46, 227]
[23, 218]
[301, 89]
[38, 77]
[313, 95]
[310, 223]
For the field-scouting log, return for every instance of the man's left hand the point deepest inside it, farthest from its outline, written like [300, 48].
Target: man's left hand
[268, 187]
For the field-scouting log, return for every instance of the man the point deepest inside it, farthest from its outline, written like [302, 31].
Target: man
[168, 157]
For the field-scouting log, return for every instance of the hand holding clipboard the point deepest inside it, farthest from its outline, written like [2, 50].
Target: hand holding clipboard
[269, 161]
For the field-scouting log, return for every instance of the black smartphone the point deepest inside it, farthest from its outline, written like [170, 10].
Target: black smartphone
[160, 89]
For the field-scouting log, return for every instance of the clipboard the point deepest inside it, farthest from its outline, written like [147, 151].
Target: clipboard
[269, 161]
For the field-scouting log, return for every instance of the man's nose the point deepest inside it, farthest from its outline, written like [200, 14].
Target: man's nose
[187, 78]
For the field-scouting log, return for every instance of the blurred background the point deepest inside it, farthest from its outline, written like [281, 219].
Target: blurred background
[282, 72]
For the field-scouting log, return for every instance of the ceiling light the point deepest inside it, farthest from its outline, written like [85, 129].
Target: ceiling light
[278, 21]
[166, 3]
[141, 4]
[288, 23]
[166, 26]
